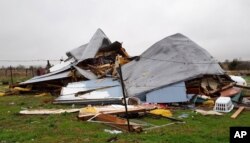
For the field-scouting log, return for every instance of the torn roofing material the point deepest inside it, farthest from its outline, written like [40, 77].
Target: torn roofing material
[61, 75]
[86, 73]
[77, 52]
[98, 41]
[173, 59]
[89, 50]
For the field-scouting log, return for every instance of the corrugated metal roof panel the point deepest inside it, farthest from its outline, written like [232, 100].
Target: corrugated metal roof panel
[48, 78]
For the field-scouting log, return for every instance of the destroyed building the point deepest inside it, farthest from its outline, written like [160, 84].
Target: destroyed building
[96, 59]
[175, 69]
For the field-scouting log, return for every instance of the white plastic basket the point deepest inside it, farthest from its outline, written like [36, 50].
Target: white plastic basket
[223, 104]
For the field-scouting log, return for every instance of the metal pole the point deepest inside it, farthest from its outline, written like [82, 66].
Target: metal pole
[124, 95]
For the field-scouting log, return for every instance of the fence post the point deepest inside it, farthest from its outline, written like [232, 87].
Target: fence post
[26, 72]
[11, 75]
[32, 71]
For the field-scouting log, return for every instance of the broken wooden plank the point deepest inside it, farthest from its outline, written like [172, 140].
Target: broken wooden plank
[115, 112]
[236, 113]
[47, 111]
[221, 89]
[242, 86]
[118, 122]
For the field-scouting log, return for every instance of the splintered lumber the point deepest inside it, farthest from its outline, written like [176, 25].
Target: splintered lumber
[118, 122]
[88, 112]
[116, 112]
[236, 113]
[221, 89]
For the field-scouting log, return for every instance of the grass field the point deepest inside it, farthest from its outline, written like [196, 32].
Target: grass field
[67, 128]
[247, 78]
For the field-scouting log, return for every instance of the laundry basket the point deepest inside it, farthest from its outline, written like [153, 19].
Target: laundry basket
[223, 104]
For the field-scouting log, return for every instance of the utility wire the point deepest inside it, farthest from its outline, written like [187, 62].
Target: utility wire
[38, 60]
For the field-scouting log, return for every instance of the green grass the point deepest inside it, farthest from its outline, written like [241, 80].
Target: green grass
[67, 128]
[247, 78]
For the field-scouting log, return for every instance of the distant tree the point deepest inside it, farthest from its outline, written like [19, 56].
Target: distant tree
[31, 67]
[232, 65]
[20, 67]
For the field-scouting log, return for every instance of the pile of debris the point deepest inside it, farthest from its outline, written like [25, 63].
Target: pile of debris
[173, 71]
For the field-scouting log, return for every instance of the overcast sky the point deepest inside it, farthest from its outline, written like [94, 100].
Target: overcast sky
[46, 29]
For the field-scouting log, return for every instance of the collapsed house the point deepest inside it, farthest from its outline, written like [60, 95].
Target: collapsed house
[175, 69]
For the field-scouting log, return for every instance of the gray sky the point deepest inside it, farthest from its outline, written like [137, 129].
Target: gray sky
[46, 29]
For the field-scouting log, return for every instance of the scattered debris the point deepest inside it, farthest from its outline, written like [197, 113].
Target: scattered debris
[42, 94]
[88, 112]
[2, 94]
[47, 111]
[246, 101]
[208, 103]
[112, 131]
[239, 80]
[161, 112]
[99, 89]
[92, 75]
[12, 103]
[235, 115]
[223, 104]
[183, 115]
[116, 122]
[211, 112]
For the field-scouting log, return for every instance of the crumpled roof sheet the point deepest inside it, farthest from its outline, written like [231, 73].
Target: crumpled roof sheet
[173, 59]
[77, 52]
[89, 50]
[48, 78]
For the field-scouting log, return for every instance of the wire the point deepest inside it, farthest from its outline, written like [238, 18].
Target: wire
[38, 60]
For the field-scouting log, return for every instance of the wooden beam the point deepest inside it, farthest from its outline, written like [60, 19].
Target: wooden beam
[223, 88]
[116, 112]
[242, 86]
[118, 123]
[236, 113]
